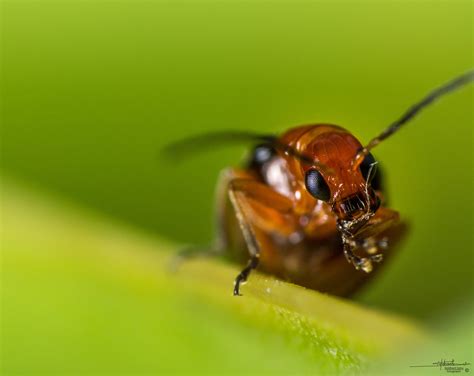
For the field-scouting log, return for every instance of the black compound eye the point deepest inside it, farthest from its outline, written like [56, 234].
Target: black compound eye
[261, 155]
[368, 161]
[316, 185]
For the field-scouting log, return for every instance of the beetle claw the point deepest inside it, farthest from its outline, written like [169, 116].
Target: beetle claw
[365, 264]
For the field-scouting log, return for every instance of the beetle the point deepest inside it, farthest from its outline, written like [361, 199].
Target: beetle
[308, 206]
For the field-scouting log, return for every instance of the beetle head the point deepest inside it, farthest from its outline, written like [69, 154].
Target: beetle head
[349, 191]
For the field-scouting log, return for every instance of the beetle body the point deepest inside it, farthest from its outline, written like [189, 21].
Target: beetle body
[267, 209]
[308, 206]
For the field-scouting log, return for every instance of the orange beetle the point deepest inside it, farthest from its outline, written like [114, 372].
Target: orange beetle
[308, 206]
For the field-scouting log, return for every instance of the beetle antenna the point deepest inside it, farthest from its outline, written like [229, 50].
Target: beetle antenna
[183, 148]
[193, 144]
[409, 114]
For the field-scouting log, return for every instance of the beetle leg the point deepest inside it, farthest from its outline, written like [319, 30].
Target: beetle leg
[221, 241]
[383, 219]
[250, 240]
[247, 197]
[366, 237]
[243, 275]
[372, 245]
[360, 263]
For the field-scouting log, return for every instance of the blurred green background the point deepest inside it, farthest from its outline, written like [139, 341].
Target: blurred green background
[91, 91]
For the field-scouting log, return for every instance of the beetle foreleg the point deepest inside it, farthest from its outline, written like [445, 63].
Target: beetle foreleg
[251, 201]
[360, 263]
[243, 275]
[249, 237]
[365, 234]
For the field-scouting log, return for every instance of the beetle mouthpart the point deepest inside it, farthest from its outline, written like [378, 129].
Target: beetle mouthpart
[353, 204]
[365, 264]
[352, 207]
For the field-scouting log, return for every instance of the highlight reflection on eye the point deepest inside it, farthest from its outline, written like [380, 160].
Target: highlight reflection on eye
[316, 185]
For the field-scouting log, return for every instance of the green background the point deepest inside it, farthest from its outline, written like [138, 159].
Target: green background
[91, 91]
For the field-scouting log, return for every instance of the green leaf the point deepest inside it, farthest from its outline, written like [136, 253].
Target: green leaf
[82, 294]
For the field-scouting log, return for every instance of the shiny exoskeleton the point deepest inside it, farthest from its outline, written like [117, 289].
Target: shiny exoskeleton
[308, 205]
[290, 213]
